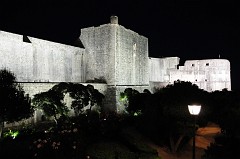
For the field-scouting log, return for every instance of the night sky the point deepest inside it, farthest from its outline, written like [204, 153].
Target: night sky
[189, 29]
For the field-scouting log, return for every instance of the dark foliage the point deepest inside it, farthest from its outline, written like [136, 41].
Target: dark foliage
[136, 100]
[15, 105]
[225, 111]
[98, 137]
[165, 116]
[52, 101]
[223, 148]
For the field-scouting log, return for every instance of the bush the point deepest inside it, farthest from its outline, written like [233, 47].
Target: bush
[224, 148]
[79, 137]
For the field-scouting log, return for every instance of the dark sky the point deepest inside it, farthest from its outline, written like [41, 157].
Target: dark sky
[189, 29]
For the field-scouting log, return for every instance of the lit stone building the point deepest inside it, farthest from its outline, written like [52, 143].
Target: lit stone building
[110, 52]
[207, 74]
[118, 55]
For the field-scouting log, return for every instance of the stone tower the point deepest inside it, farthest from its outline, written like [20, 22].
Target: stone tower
[118, 55]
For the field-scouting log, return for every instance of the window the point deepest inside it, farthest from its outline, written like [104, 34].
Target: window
[207, 64]
[134, 46]
[193, 65]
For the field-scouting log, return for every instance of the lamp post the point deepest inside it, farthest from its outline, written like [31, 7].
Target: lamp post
[194, 110]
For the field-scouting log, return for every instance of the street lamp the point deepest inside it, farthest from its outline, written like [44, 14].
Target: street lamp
[194, 110]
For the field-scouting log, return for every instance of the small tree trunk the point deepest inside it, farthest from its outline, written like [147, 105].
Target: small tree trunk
[174, 147]
[171, 144]
[1, 129]
[178, 142]
[55, 119]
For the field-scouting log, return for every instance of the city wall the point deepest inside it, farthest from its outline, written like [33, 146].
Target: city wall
[117, 54]
[36, 60]
[111, 52]
[208, 74]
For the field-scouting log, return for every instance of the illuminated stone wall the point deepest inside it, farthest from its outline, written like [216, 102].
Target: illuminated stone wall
[37, 60]
[111, 52]
[208, 74]
[99, 43]
[160, 67]
[131, 58]
[16, 55]
[117, 54]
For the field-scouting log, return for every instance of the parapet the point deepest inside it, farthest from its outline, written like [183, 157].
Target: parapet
[114, 19]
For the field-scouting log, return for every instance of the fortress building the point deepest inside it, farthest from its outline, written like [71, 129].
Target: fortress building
[110, 52]
[208, 74]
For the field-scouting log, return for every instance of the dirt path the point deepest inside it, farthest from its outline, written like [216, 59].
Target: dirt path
[186, 154]
[204, 136]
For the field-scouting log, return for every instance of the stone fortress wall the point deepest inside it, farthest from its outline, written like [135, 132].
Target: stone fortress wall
[116, 53]
[37, 60]
[207, 74]
[112, 52]
[160, 67]
[119, 55]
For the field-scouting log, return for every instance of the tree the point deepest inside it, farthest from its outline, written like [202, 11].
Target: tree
[15, 105]
[225, 111]
[134, 101]
[96, 98]
[129, 99]
[81, 97]
[224, 147]
[167, 113]
[53, 105]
